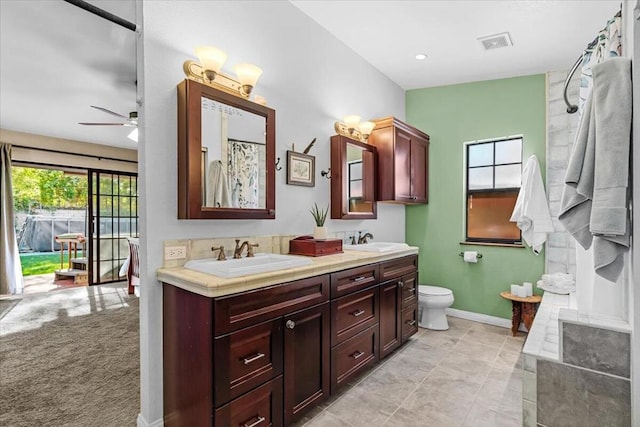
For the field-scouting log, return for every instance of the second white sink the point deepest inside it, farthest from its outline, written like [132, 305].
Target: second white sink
[260, 263]
[377, 247]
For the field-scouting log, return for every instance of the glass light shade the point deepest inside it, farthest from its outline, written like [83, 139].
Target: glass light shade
[211, 58]
[366, 128]
[351, 122]
[133, 135]
[248, 74]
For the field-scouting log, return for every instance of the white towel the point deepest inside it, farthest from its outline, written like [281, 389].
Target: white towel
[595, 197]
[531, 212]
[218, 194]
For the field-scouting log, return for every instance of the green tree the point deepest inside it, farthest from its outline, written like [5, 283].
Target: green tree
[47, 189]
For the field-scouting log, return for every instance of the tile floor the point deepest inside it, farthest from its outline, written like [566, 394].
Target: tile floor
[469, 375]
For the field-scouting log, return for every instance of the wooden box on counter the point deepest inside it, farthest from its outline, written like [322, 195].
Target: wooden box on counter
[307, 245]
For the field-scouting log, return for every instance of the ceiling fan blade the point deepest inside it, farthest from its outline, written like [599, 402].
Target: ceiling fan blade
[104, 124]
[109, 112]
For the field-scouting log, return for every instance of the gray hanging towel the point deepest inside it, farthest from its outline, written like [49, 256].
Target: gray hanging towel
[595, 198]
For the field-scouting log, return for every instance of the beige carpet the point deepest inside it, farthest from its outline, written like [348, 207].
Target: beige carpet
[71, 358]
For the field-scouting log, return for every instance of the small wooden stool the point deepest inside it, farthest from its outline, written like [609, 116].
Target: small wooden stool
[523, 309]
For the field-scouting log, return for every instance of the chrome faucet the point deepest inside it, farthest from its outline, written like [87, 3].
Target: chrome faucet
[221, 255]
[237, 252]
[362, 239]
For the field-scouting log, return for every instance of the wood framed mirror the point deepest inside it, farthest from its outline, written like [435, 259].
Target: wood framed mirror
[353, 179]
[226, 155]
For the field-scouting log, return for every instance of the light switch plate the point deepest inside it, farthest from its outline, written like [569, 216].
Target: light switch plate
[175, 252]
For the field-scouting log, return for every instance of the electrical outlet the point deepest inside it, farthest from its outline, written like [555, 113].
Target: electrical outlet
[175, 252]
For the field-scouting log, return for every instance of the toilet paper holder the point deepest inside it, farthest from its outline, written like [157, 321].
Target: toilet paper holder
[461, 254]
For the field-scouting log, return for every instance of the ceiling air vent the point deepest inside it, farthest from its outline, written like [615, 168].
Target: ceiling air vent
[496, 41]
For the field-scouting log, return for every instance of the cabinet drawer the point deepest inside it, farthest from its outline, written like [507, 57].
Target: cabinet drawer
[352, 356]
[261, 407]
[353, 313]
[409, 321]
[398, 267]
[238, 311]
[409, 290]
[351, 280]
[246, 359]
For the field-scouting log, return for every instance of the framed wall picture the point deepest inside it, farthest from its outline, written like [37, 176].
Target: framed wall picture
[301, 169]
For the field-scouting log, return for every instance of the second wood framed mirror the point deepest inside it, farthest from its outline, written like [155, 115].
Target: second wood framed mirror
[353, 179]
[226, 155]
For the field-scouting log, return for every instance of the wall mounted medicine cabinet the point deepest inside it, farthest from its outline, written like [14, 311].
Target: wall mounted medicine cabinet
[403, 162]
[226, 155]
[353, 179]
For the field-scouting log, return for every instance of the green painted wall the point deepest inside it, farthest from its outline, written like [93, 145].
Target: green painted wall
[452, 115]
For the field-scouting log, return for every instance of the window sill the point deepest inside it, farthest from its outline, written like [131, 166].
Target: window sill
[504, 245]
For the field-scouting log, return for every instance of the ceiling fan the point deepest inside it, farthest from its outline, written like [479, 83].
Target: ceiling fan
[131, 121]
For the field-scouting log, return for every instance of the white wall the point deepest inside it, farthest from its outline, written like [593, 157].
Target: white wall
[309, 78]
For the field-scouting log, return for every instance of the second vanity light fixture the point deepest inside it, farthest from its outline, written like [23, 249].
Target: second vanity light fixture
[353, 128]
[208, 71]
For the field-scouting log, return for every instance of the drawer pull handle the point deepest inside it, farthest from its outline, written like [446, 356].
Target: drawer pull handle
[290, 324]
[357, 313]
[411, 322]
[358, 354]
[248, 360]
[358, 279]
[256, 422]
[412, 289]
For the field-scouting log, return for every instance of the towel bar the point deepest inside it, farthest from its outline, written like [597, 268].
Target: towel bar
[462, 254]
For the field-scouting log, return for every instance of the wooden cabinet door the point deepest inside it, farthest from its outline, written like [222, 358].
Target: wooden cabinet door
[419, 178]
[402, 172]
[306, 360]
[390, 308]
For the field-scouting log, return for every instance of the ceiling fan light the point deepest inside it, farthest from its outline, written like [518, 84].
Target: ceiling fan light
[133, 135]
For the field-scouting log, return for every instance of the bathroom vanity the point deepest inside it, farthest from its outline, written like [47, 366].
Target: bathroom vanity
[264, 349]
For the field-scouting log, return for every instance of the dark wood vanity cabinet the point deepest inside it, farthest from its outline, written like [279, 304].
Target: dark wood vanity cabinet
[306, 360]
[265, 357]
[403, 161]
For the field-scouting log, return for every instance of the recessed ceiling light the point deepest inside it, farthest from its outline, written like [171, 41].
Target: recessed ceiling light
[421, 56]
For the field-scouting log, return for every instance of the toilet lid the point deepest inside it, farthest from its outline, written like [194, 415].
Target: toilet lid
[433, 290]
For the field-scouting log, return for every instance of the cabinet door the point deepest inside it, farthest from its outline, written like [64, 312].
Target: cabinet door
[306, 360]
[402, 167]
[390, 327]
[419, 172]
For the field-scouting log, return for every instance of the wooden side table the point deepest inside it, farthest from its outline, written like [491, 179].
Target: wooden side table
[523, 309]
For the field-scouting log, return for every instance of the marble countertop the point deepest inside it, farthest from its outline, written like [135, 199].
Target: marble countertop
[215, 286]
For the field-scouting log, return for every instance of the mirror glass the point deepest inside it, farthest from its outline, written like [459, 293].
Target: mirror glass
[233, 157]
[353, 179]
[356, 199]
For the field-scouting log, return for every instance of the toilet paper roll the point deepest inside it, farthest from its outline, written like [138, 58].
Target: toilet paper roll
[522, 292]
[514, 289]
[470, 256]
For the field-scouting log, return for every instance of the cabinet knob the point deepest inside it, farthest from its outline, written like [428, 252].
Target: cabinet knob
[400, 283]
[290, 324]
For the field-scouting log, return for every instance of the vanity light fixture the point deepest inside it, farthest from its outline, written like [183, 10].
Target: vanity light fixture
[208, 71]
[353, 128]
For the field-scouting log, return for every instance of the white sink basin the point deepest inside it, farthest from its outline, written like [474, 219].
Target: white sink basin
[377, 247]
[260, 263]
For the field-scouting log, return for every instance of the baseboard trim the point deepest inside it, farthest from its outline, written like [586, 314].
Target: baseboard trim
[143, 423]
[482, 318]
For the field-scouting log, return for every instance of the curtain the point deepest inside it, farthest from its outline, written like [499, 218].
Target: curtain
[608, 44]
[244, 172]
[10, 269]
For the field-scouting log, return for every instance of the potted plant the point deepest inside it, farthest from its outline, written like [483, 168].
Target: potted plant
[320, 216]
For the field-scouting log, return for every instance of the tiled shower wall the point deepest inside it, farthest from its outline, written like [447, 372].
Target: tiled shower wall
[561, 129]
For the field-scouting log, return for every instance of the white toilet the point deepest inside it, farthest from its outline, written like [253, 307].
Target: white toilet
[432, 302]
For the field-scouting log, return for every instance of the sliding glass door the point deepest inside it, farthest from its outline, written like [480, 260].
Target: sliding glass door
[113, 217]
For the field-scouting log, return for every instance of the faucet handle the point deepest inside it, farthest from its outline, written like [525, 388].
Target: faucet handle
[250, 247]
[221, 255]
